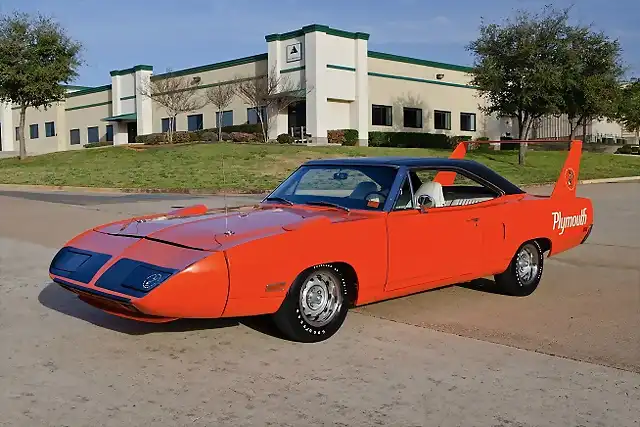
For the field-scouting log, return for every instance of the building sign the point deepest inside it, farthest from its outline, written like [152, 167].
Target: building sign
[294, 52]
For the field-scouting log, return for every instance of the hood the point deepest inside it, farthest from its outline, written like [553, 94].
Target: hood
[215, 231]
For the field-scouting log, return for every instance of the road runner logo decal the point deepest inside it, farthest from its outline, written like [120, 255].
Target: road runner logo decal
[561, 222]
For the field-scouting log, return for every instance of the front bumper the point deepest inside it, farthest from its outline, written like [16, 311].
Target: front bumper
[110, 303]
[141, 279]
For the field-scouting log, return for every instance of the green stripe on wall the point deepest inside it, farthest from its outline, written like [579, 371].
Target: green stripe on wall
[124, 98]
[415, 79]
[340, 67]
[416, 61]
[80, 107]
[291, 70]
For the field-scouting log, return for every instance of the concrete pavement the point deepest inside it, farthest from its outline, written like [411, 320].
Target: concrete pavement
[65, 363]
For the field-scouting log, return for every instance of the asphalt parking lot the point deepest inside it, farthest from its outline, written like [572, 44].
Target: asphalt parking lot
[568, 355]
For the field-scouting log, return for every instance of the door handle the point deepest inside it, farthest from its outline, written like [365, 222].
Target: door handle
[473, 220]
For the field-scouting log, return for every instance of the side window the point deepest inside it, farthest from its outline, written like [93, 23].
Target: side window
[424, 191]
[467, 191]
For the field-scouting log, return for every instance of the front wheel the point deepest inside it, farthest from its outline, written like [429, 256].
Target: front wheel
[315, 306]
[524, 272]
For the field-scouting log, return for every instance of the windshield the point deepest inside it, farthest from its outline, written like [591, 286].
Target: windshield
[347, 186]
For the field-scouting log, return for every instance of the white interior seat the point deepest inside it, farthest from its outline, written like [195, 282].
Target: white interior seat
[433, 190]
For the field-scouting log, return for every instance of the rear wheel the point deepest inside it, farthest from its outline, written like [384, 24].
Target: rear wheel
[315, 307]
[524, 272]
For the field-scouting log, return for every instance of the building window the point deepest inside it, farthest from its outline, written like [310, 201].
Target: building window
[74, 136]
[442, 119]
[194, 122]
[165, 124]
[109, 133]
[49, 129]
[33, 131]
[92, 134]
[468, 122]
[381, 115]
[412, 117]
[227, 118]
[252, 116]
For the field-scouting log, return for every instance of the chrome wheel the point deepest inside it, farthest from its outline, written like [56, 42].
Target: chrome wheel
[320, 299]
[527, 264]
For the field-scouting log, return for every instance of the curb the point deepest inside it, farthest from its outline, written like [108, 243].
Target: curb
[185, 191]
[205, 192]
[609, 180]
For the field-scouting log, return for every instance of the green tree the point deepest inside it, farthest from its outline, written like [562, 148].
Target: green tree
[629, 111]
[36, 56]
[518, 67]
[592, 76]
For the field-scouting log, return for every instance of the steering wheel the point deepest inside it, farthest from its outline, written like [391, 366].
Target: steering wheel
[374, 199]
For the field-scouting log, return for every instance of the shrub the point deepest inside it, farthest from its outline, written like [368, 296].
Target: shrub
[335, 137]
[628, 149]
[152, 139]
[350, 137]
[183, 136]
[408, 140]
[98, 144]
[285, 138]
[242, 137]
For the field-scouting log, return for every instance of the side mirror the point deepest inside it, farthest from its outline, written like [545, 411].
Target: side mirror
[425, 202]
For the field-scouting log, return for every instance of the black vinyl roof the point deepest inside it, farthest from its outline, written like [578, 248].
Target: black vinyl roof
[472, 166]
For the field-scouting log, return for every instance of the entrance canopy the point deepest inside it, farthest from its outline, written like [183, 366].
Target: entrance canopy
[132, 117]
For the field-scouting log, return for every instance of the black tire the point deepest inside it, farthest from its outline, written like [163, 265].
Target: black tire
[516, 283]
[291, 319]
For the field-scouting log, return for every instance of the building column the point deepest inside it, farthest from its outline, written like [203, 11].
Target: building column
[315, 73]
[8, 129]
[144, 106]
[62, 134]
[278, 121]
[360, 108]
[120, 135]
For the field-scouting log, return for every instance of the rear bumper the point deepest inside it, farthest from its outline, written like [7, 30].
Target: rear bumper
[586, 236]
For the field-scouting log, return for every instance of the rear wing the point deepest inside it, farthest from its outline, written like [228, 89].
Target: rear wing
[565, 185]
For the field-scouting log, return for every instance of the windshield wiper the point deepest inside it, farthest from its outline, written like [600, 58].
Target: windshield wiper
[323, 203]
[280, 199]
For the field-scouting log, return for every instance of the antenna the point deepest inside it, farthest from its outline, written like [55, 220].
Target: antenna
[224, 194]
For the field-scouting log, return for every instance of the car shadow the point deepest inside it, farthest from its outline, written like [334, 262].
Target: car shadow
[56, 298]
[483, 285]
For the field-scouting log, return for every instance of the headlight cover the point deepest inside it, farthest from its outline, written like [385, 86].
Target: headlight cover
[133, 277]
[77, 264]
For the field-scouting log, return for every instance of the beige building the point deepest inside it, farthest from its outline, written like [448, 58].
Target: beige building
[347, 87]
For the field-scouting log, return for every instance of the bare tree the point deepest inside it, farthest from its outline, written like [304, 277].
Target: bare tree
[273, 93]
[176, 93]
[221, 95]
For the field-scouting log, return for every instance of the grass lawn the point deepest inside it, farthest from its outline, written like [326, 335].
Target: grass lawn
[257, 168]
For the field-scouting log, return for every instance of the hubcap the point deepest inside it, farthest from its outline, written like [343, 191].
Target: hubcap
[527, 264]
[320, 299]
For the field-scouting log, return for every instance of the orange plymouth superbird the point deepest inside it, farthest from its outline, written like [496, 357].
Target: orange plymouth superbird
[336, 233]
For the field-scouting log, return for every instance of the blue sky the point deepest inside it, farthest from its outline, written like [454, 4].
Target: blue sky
[179, 34]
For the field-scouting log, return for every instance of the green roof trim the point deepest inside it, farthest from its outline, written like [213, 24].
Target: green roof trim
[317, 28]
[415, 79]
[131, 116]
[215, 66]
[76, 87]
[131, 70]
[415, 61]
[291, 70]
[340, 67]
[82, 107]
[88, 91]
